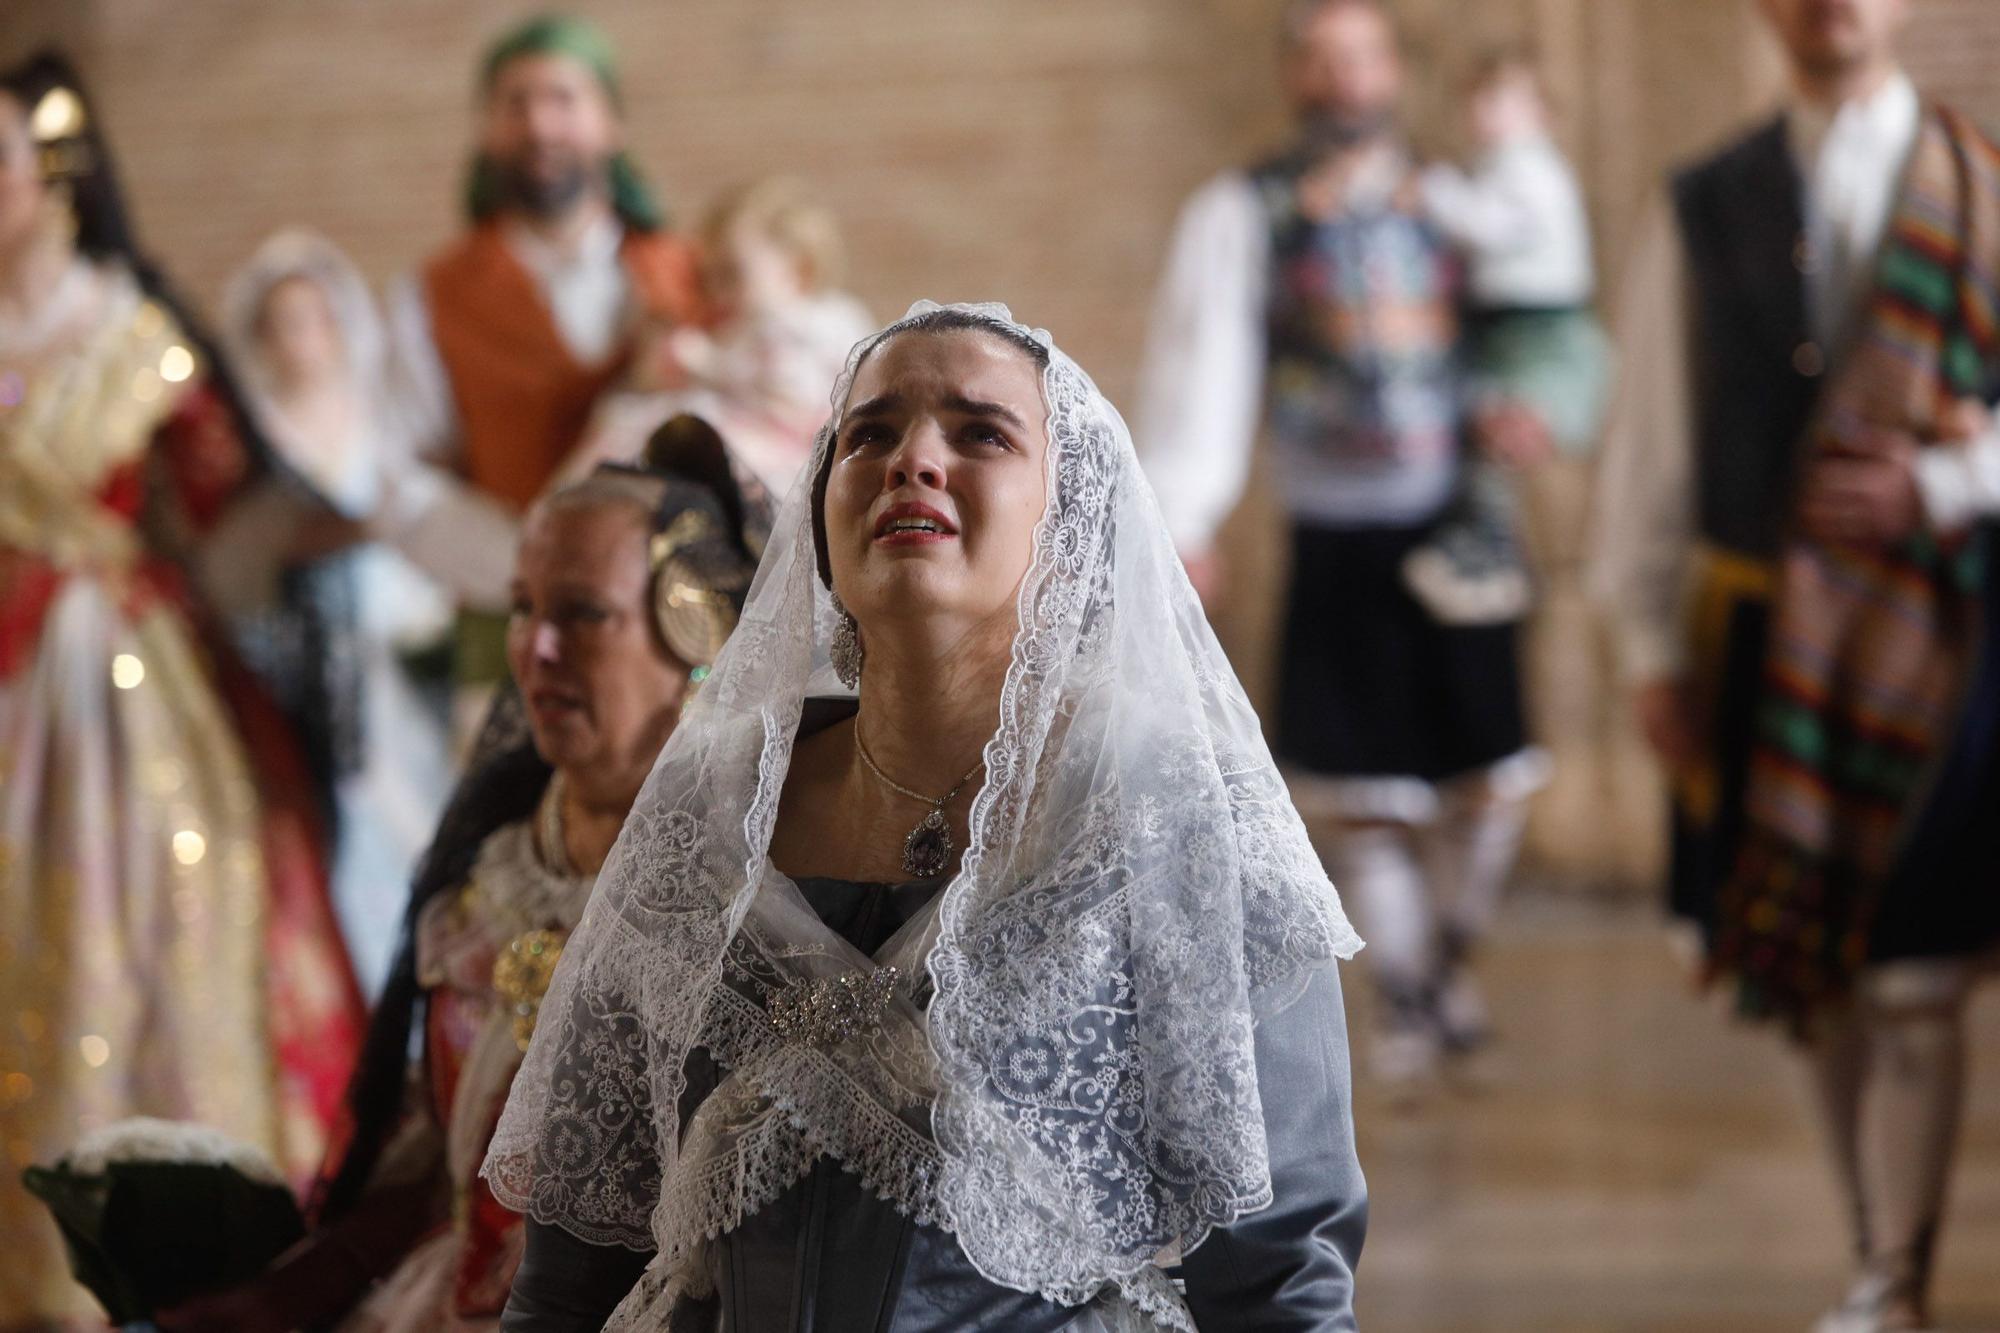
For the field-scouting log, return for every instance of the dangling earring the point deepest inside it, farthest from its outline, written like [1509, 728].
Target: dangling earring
[846, 650]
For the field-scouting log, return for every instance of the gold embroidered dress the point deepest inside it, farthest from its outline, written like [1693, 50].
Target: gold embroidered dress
[164, 943]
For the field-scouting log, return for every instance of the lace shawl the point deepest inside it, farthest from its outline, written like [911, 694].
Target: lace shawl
[1080, 1094]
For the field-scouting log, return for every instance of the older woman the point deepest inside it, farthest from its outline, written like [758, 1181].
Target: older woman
[976, 988]
[625, 587]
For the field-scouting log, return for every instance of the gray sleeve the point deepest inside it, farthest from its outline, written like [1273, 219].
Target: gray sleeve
[1291, 1266]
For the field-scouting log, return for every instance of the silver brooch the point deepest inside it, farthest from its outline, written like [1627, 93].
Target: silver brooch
[832, 1010]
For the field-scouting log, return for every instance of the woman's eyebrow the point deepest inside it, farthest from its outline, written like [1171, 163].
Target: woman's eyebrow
[880, 405]
[974, 407]
[890, 403]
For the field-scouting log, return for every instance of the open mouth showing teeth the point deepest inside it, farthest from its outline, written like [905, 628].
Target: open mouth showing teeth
[911, 520]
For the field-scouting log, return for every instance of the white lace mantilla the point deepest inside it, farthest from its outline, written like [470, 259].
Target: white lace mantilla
[1079, 1096]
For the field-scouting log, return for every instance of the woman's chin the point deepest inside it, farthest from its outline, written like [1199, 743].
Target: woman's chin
[923, 581]
[561, 745]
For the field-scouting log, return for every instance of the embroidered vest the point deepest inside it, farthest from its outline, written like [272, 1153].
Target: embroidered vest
[523, 399]
[1362, 383]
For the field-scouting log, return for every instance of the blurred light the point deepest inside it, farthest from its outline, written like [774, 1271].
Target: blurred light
[189, 847]
[176, 364]
[59, 115]
[19, 1087]
[149, 321]
[127, 671]
[96, 1050]
[146, 384]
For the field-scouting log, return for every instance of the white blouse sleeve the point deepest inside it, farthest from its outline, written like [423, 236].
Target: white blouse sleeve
[1645, 527]
[419, 408]
[1495, 215]
[1960, 483]
[458, 536]
[1201, 386]
[434, 518]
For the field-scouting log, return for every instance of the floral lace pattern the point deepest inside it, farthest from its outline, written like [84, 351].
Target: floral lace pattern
[1080, 1093]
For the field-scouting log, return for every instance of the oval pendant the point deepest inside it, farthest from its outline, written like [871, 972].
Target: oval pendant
[927, 851]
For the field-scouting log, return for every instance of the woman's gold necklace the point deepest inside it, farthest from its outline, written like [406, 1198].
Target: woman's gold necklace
[928, 848]
[552, 831]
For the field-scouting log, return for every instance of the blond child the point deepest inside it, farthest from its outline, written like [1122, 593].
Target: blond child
[764, 373]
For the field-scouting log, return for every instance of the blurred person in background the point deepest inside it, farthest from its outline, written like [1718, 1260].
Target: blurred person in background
[166, 943]
[625, 588]
[304, 333]
[1795, 531]
[1311, 295]
[771, 260]
[504, 341]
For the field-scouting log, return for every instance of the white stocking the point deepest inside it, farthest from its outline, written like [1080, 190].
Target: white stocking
[1910, 1121]
[1375, 868]
[1887, 1076]
[1470, 853]
[1835, 1074]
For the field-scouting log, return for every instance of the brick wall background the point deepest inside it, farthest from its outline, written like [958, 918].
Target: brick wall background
[1033, 150]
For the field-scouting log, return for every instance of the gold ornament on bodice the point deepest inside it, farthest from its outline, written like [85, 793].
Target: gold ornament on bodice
[522, 974]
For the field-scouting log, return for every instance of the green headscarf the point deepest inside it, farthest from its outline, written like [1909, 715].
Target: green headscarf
[585, 43]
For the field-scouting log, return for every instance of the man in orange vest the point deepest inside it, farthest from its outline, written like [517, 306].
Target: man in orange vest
[504, 340]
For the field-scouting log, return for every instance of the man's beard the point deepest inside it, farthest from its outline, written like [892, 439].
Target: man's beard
[1324, 130]
[545, 194]
[1832, 60]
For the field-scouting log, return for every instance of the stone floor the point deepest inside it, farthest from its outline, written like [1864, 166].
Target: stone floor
[1634, 1163]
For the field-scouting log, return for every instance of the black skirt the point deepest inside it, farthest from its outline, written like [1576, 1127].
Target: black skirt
[1371, 685]
[1944, 898]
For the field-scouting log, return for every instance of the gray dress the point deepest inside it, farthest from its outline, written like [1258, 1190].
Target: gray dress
[828, 1257]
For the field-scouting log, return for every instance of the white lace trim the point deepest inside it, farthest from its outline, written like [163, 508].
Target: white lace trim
[1408, 800]
[516, 891]
[182, 1142]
